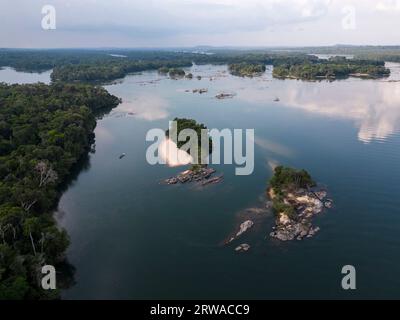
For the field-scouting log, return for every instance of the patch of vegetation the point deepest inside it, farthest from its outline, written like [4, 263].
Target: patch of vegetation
[163, 70]
[245, 69]
[176, 73]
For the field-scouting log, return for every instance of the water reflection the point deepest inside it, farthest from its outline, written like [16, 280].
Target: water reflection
[148, 108]
[372, 105]
[273, 147]
[172, 156]
[11, 76]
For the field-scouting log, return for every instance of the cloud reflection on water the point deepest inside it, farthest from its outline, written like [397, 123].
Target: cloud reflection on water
[373, 105]
[146, 107]
[171, 155]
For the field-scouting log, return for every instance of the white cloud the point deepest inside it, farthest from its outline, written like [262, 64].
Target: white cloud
[388, 5]
[193, 22]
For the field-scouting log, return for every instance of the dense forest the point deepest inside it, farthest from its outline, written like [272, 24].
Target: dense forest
[338, 67]
[111, 70]
[44, 131]
[246, 69]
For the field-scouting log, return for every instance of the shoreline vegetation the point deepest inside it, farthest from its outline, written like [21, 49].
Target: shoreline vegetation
[99, 66]
[331, 69]
[44, 131]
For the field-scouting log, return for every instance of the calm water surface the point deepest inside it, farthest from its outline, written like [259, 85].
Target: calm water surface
[9, 75]
[134, 238]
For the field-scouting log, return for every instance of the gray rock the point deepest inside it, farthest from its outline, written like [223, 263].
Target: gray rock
[244, 227]
[243, 248]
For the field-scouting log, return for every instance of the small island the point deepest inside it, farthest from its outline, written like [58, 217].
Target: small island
[296, 199]
[334, 68]
[174, 72]
[245, 69]
[199, 172]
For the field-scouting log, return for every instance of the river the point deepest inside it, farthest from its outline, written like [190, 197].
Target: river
[134, 238]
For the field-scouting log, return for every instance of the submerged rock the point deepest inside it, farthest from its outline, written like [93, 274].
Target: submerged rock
[201, 91]
[243, 248]
[244, 227]
[224, 96]
[201, 175]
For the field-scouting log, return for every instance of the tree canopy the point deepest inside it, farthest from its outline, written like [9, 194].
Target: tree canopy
[44, 131]
[245, 69]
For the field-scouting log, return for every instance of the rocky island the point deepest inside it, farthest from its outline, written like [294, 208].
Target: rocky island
[296, 200]
[198, 172]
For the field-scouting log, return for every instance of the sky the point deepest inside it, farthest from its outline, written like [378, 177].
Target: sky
[188, 23]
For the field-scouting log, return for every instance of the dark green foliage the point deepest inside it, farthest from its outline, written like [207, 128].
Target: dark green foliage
[289, 178]
[338, 67]
[280, 207]
[245, 69]
[111, 70]
[44, 131]
[163, 70]
[176, 73]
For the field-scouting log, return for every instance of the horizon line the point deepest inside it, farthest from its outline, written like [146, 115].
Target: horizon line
[200, 47]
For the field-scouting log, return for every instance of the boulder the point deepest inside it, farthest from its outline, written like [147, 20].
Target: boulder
[243, 248]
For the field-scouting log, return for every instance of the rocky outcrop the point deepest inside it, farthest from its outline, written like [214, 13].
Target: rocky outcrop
[244, 227]
[201, 91]
[306, 204]
[224, 96]
[243, 248]
[201, 175]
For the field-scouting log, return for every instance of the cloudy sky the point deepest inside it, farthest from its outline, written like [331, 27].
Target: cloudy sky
[166, 23]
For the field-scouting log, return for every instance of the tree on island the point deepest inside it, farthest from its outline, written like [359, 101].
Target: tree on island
[182, 124]
[245, 69]
[286, 179]
[176, 73]
[337, 67]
